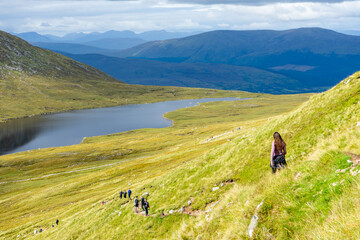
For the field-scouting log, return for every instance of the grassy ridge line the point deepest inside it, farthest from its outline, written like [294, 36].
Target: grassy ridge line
[310, 206]
[146, 153]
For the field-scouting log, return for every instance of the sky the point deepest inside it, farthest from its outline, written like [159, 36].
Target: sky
[60, 17]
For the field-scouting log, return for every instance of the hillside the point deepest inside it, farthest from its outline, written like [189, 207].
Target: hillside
[202, 75]
[227, 178]
[38, 81]
[316, 57]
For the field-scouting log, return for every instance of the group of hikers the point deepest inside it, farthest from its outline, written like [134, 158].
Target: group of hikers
[41, 230]
[143, 201]
[277, 161]
[123, 194]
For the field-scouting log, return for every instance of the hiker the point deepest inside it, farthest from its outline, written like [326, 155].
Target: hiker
[129, 193]
[147, 206]
[136, 204]
[142, 202]
[124, 194]
[278, 152]
[121, 194]
[57, 221]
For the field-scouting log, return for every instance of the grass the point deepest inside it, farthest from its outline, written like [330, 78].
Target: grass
[151, 160]
[308, 200]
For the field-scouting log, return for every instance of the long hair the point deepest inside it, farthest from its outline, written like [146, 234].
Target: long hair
[278, 141]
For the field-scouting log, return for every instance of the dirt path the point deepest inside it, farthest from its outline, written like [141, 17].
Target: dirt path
[354, 158]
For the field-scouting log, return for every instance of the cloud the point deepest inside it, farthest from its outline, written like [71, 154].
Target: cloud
[65, 16]
[253, 2]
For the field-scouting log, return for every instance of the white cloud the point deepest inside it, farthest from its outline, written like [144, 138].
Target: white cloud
[60, 17]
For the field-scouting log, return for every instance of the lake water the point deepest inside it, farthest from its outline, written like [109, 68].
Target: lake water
[70, 128]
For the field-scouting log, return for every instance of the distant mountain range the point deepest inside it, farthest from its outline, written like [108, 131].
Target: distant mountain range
[297, 60]
[202, 75]
[316, 57]
[115, 40]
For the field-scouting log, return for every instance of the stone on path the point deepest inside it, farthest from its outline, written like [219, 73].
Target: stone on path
[254, 220]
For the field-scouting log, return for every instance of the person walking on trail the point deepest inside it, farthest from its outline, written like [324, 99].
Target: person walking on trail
[124, 194]
[129, 193]
[278, 152]
[136, 204]
[142, 201]
[57, 222]
[147, 206]
[121, 194]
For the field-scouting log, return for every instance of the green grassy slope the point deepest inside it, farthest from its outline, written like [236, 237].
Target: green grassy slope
[70, 182]
[308, 200]
[36, 81]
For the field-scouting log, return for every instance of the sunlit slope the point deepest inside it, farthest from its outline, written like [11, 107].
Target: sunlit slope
[308, 200]
[35, 81]
[68, 181]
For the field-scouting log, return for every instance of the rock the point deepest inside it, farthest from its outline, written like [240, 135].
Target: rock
[189, 202]
[254, 220]
[215, 188]
[349, 161]
[145, 194]
[335, 184]
[171, 211]
[354, 172]
[120, 213]
[222, 184]
[253, 224]
[35, 231]
[341, 170]
[297, 175]
[207, 217]
[182, 209]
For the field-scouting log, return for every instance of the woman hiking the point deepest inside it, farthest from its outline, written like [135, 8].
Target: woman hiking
[278, 152]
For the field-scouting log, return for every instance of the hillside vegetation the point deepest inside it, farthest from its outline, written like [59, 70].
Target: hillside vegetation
[314, 198]
[37, 81]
